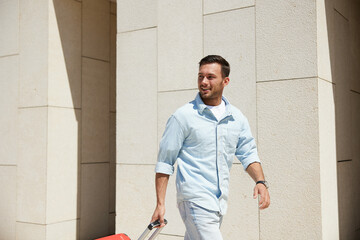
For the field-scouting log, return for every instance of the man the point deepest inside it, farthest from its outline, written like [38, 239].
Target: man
[203, 136]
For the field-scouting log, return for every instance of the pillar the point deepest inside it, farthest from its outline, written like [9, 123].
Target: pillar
[296, 120]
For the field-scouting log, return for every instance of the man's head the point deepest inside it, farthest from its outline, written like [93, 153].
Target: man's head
[225, 66]
[212, 78]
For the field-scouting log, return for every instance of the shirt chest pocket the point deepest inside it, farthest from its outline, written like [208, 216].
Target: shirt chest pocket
[231, 139]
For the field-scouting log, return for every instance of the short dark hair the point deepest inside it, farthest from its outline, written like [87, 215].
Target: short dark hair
[225, 66]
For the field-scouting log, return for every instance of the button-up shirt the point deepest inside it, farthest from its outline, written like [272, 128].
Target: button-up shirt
[204, 148]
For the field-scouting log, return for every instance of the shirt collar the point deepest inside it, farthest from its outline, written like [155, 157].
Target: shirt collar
[201, 105]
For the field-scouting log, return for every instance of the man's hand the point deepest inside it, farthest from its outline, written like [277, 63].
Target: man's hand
[261, 190]
[256, 173]
[159, 214]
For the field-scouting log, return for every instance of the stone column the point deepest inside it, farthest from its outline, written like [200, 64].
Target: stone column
[345, 57]
[63, 168]
[296, 120]
[49, 119]
[136, 134]
[9, 80]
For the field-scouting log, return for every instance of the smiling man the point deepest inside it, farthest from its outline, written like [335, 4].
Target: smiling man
[203, 136]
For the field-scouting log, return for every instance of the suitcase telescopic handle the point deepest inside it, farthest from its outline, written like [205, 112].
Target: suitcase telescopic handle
[151, 227]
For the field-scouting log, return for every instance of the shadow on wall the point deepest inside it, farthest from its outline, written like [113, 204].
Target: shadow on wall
[87, 35]
[343, 22]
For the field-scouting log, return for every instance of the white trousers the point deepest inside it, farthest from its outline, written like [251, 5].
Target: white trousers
[200, 223]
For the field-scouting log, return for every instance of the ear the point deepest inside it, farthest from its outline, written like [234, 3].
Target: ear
[226, 81]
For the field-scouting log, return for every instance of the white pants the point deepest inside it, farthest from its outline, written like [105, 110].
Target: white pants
[200, 223]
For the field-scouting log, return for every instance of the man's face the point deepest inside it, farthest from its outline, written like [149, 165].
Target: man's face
[211, 83]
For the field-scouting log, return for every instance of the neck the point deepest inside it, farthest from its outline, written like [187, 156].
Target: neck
[212, 101]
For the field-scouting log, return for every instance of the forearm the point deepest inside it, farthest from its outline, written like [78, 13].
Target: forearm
[255, 171]
[161, 182]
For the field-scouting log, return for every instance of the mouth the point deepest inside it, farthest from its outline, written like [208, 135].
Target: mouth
[205, 90]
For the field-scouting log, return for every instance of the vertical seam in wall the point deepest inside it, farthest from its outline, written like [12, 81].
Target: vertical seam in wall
[318, 99]
[157, 75]
[19, 19]
[19, 59]
[18, 117]
[316, 38]
[46, 163]
[47, 112]
[78, 230]
[110, 121]
[203, 31]
[256, 97]
[318, 142]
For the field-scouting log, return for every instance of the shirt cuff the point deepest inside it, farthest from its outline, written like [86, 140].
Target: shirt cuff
[250, 161]
[164, 168]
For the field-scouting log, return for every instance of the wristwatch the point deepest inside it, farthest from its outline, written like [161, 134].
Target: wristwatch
[263, 182]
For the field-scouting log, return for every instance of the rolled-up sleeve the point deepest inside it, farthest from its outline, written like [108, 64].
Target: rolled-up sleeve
[170, 146]
[246, 150]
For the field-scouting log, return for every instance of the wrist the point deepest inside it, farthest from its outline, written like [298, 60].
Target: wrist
[263, 182]
[160, 204]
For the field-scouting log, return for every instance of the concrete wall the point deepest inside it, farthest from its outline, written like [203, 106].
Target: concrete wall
[9, 119]
[283, 62]
[294, 74]
[159, 47]
[344, 24]
[9, 80]
[157, 59]
[57, 71]
[296, 121]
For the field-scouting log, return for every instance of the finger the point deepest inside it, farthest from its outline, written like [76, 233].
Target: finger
[255, 192]
[261, 202]
[262, 206]
[154, 217]
[162, 223]
[266, 202]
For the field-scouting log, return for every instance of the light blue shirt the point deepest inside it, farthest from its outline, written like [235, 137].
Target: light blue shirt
[204, 149]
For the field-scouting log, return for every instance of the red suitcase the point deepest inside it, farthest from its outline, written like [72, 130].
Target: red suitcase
[151, 226]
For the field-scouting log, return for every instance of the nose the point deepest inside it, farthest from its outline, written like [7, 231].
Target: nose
[204, 81]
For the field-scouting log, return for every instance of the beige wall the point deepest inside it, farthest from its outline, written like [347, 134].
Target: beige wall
[344, 23]
[295, 75]
[157, 60]
[57, 160]
[9, 120]
[283, 57]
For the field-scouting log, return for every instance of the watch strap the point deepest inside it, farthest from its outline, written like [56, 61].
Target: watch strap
[264, 183]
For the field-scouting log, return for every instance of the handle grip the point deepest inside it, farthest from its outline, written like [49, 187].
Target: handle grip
[151, 227]
[156, 224]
